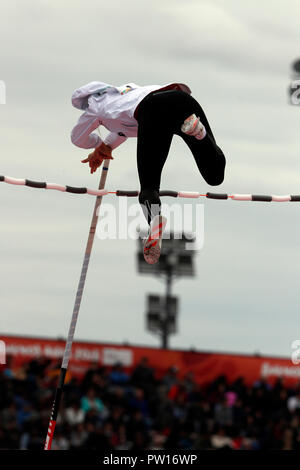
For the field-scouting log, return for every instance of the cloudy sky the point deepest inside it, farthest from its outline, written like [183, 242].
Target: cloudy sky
[236, 57]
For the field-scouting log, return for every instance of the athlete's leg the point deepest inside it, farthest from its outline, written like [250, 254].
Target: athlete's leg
[153, 146]
[150, 202]
[208, 156]
[160, 115]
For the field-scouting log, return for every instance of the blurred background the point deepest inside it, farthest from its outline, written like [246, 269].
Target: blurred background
[230, 381]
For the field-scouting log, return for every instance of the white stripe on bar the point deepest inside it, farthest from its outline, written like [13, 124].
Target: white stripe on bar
[241, 197]
[10, 180]
[55, 186]
[281, 198]
[191, 194]
[97, 192]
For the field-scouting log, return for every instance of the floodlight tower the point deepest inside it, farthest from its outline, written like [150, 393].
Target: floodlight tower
[175, 261]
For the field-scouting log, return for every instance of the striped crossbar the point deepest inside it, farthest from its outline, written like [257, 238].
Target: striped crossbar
[125, 193]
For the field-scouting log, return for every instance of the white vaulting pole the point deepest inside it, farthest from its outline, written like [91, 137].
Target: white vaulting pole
[68, 348]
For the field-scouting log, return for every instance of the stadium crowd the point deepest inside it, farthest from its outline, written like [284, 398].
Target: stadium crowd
[112, 409]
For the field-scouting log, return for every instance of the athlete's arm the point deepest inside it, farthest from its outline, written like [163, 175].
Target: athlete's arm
[103, 151]
[96, 158]
[82, 134]
[114, 139]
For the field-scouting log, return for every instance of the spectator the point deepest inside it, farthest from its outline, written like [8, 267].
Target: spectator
[74, 414]
[189, 382]
[142, 376]
[219, 440]
[293, 402]
[60, 441]
[118, 376]
[170, 377]
[9, 417]
[91, 402]
[79, 436]
[8, 371]
[123, 443]
[138, 402]
[137, 424]
[223, 413]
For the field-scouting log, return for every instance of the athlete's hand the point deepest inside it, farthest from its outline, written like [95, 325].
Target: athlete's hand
[96, 158]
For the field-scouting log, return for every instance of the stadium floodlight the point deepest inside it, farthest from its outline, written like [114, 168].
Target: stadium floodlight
[175, 261]
[174, 257]
[157, 306]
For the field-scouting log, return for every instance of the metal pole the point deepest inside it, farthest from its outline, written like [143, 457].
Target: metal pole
[166, 319]
[69, 342]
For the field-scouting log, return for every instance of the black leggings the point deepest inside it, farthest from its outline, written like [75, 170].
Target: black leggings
[160, 115]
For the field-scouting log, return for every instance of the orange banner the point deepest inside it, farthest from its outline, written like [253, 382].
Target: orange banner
[205, 366]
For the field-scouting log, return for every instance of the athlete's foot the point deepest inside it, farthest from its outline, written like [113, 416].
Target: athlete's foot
[194, 127]
[152, 243]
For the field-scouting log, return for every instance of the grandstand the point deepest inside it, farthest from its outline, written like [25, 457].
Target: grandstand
[124, 397]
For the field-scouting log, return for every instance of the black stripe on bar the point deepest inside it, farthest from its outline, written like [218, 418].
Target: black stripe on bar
[2, 178]
[72, 189]
[261, 197]
[168, 193]
[127, 193]
[217, 196]
[295, 198]
[35, 184]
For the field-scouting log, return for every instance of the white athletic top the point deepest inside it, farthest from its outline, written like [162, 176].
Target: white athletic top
[112, 107]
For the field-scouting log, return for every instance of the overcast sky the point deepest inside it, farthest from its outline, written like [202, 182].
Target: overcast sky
[236, 57]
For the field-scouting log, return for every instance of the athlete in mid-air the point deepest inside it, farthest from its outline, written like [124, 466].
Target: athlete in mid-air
[153, 114]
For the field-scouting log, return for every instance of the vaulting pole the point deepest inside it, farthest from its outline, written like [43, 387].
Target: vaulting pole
[68, 348]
